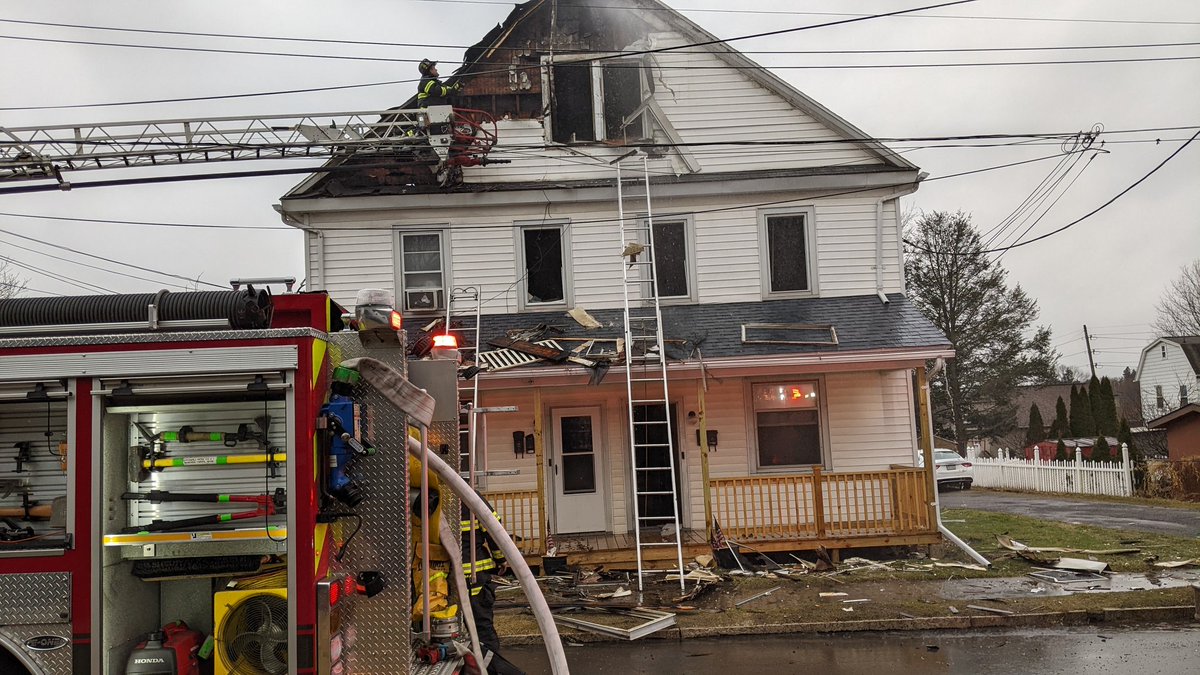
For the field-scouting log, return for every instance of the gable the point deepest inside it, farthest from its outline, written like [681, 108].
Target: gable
[619, 77]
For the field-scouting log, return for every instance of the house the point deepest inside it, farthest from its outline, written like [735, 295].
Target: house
[791, 348]
[1168, 374]
[1183, 431]
[1045, 397]
[1048, 450]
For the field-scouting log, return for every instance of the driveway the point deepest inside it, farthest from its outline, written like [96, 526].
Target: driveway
[1155, 519]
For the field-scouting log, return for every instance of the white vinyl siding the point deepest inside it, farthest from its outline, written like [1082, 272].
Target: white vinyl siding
[1165, 365]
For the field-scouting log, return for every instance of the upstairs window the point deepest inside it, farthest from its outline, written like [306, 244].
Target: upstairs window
[786, 250]
[590, 100]
[543, 265]
[672, 259]
[422, 271]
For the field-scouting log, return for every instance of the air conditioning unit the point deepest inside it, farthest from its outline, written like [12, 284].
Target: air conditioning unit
[251, 632]
[416, 301]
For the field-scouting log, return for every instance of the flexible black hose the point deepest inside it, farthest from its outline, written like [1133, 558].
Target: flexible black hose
[247, 308]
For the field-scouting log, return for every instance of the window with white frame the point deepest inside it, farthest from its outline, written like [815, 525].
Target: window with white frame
[672, 258]
[592, 100]
[422, 271]
[1158, 396]
[1183, 394]
[787, 245]
[543, 259]
[787, 424]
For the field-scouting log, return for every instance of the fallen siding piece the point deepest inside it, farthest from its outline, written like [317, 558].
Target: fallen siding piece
[993, 610]
[1081, 565]
[1014, 545]
[1171, 564]
[584, 319]
[756, 596]
[965, 566]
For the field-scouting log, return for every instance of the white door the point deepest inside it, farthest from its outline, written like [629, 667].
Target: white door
[578, 472]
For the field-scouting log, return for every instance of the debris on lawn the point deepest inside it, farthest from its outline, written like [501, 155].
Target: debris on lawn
[1013, 545]
[653, 621]
[756, 596]
[993, 610]
[1081, 565]
[856, 600]
[833, 595]
[1172, 564]
[965, 566]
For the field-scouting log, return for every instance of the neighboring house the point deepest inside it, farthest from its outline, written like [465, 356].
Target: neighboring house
[1048, 450]
[803, 424]
[1126, 393]
[1183, 431]
[1168, 374]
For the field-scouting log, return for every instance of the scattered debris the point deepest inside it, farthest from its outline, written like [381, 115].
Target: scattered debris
[757, 596]
[965, 566]
[1013, 545]
[993, 610]
[1081, 565]
[1172, 564]
[621, 592]
[906, 615]
[833, 595]
[584, 319]
[704, 559]
[699, 575]
[655, 621]
[632, 250]
[844, 602]
[953, 609]
[847, 609]
[1065, 576]
[929, 648]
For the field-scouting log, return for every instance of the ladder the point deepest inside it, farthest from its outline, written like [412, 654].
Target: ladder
[463, 306]
[646, 381]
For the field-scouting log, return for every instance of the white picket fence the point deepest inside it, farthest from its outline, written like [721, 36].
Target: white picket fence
[1065, 476]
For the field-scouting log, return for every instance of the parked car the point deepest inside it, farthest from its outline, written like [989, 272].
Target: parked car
[950, 469]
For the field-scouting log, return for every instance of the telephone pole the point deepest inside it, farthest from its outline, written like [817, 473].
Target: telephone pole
[1087, 339]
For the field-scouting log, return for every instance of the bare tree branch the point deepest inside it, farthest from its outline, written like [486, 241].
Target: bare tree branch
[1179, 306]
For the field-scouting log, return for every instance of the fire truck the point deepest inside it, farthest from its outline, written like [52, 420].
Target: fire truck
[190, 482]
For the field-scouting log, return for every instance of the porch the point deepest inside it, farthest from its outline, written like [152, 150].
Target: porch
[773, 512]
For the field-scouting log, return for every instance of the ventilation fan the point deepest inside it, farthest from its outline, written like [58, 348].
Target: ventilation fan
[251, 632]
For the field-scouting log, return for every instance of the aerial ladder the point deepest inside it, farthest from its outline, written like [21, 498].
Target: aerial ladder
[434, 143]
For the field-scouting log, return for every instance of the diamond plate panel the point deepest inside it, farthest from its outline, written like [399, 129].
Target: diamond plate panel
[382, 623]
[136, 338]
[35, 598]
[53, 662]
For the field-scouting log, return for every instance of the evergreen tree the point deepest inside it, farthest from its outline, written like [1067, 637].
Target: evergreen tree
[1060, 453]
[1106, 419]
[1061, 425]
[1096, 405]
[1082, 423]
[1125, 437]
[1037, 430]
[1101, 451]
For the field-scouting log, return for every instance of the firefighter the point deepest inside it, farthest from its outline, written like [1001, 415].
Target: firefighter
[430, 90]
[489, 562]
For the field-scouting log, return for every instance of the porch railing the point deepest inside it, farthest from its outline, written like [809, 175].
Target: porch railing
[823, 505]
[518, 510]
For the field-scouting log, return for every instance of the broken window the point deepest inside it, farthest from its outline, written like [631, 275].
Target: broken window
[1158, 395]
[1183, 394]
[422, 271]
[671, 258]
[542, 257]
[787, 419]
[590, 101]
[787, 252]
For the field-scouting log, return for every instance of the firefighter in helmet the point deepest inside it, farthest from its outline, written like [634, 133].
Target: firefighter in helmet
[431, 90]
[489, 562]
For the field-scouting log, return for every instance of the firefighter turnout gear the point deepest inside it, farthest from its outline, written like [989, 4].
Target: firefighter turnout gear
[489, 560]
[431, 90]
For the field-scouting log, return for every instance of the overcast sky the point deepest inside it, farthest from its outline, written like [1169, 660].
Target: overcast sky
[1106, 272]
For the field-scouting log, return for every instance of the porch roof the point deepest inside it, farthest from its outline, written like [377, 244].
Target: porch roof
[862, 323]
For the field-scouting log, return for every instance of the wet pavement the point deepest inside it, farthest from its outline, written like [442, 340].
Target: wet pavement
[1091, 650]
[1157, 519]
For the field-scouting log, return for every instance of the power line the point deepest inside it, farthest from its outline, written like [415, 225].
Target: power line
[94, 267]
[1072, 223]
[145, 222]
[110, 260]
[54, 275]
[22, 287]
[373, 43]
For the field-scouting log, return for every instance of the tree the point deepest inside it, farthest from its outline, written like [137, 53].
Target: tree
[1179, 305]
[1107, 420]
[1060, 451]
[1101, 452]
[1125, 437]
[10, 283]
[1096, 403]
[990, 325]
[1061, 425]
[1037, 430]
[1082, 423]
[1069, 374]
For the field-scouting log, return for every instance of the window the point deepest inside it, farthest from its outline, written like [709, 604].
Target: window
[1164, 350]
[672, 258]
[1158, 395]
[591, 100]
[422, 271]
[543, 260]
[786, 251]
[787, 421]
[1183, 395]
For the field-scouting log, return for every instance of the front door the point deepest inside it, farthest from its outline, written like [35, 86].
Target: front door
[654, 451]
[578, 475]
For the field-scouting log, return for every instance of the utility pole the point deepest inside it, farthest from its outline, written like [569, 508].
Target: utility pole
[1087, 339]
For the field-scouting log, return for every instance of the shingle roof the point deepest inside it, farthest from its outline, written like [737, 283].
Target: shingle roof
[862, 323]
[1191, 349]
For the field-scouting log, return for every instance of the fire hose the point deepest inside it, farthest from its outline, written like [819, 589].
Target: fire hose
[418, 404]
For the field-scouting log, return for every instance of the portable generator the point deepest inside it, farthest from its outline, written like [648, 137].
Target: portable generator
[172, 651]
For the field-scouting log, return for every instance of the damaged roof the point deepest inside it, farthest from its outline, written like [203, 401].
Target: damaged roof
[862, 323]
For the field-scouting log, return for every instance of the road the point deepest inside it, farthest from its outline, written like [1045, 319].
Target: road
[1091, 650]
[1156, 519]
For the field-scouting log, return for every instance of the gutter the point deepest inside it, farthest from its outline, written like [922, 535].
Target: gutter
[933, 372]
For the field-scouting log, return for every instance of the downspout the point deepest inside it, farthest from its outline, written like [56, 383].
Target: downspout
[938, 366]
[879, 236]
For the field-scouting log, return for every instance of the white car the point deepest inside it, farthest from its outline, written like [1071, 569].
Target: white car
[950, 469]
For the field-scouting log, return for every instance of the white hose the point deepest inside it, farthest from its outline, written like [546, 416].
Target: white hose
[529, 585]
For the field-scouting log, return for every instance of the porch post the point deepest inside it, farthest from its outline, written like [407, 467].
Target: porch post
[539, 454]
[703, 442]
[926, 439]
[818, 501]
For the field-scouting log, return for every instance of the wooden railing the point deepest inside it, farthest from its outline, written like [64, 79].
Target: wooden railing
[823, 505]
[518, 511]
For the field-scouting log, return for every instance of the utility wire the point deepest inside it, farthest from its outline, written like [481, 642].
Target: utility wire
[373, 43]
[94, 267]
[1072, 223]
[110, 260]
[22, 287]
[146, 222]
[55, 276]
